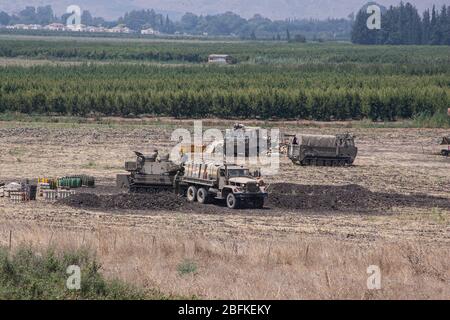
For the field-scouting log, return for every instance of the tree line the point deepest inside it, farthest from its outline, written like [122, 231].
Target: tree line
[259, 92]
[403, 25]
[224, 24]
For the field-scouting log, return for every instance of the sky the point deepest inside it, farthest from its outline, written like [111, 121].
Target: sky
[274, 9]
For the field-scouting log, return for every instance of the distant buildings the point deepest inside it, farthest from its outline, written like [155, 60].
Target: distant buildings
[25, 27]
[55, 27]
[120, 29]
[77, 28]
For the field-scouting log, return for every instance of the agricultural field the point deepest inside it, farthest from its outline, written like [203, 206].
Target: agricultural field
[320, 229]
[162, 78]
[83, 105]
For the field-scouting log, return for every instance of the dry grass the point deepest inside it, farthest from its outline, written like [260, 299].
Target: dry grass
[297, 268]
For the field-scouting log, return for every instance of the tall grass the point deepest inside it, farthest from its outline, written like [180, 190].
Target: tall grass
[241, 267]
[438, 120]
[26, 274]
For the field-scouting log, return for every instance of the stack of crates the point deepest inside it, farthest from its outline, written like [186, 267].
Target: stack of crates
[18, 196]
[45, 184]
[62, 194]
[52, 195]
[49, 195]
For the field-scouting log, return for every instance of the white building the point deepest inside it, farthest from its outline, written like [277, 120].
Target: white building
[150, 31]
[220, 58]
[76, 27]
[120, 29]
[55, 27]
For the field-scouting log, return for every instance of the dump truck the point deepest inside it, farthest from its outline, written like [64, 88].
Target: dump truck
[149, 173]
[232, 183]
[445, 142]
[322, 150]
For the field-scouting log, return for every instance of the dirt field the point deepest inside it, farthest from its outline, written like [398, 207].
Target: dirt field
[314, 239]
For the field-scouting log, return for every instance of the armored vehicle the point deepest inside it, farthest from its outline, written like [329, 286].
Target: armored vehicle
[323, 150]
[149, 173]
[445, 142]
[243, 141]
[204, 181]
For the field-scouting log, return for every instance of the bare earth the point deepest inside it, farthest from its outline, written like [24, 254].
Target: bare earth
[279, 252]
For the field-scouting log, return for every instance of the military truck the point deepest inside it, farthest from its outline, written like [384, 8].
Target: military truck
[149, 173]
[204, 181]
[323, 150]
[445, 142]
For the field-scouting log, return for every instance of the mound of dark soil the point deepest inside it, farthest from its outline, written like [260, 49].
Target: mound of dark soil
[287, 196]
[344, 198]
[295, 196]
[132, 201]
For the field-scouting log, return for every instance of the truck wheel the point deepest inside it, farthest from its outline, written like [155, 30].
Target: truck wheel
[232, 201]
[192, 194]
[202, 196]
[258, 203]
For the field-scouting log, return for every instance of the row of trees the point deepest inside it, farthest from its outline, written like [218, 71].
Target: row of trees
[375, 58]
[143, 19]
[44, 15]
[224, 24]
[308, 92]
[259, 27]
[403, 25]
[308, 104]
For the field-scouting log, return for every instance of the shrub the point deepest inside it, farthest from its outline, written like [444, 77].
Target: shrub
[25, 274]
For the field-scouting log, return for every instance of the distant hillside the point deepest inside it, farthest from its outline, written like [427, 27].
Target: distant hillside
[277, 9]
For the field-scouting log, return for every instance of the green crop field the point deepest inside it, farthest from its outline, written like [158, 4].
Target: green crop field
[324, 81]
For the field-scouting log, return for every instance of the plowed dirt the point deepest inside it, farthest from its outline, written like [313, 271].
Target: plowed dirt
[131, 201]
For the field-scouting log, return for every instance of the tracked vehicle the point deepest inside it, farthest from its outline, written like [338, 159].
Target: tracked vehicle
[322, 150]
[149, 173]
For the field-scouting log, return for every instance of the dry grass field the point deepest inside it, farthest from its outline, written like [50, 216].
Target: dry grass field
[398, 220]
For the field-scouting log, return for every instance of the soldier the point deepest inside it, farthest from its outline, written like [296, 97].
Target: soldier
[153, 156]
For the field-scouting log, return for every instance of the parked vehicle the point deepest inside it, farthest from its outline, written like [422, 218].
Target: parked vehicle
[323, 150]
[202, 182]
[232, 183]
